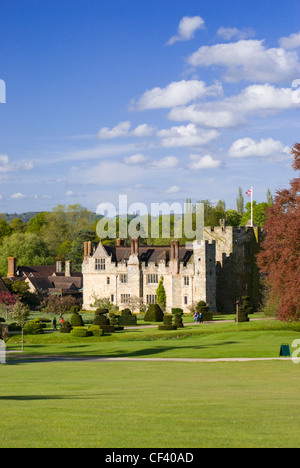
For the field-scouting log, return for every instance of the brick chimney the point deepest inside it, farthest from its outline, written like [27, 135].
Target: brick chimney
[68, 268]
[132, 247]
[85, 249]
[12, 267]
[89, 248]
[136, 246]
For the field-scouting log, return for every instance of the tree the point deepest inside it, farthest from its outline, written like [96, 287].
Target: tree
[161, 295]
[259, 213]
[233, 218]
[58, 305]
[7, 302]
[21, 313]
[240, 202]
[17, 225]
[279, 258]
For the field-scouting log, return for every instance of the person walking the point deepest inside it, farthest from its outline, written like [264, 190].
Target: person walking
[196, 316]
[54, 324]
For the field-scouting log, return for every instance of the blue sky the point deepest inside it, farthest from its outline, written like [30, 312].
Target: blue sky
[157, 100]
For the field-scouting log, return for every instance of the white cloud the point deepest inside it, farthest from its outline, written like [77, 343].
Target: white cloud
[17, 196]
[177, 94]
[169, 162]
[122, 129]
[187, 28]
[234, 111]
[249, 60]
[229, 33]
[188, 135]
[135, 159]
[203, 162]
[7, 166]
[173, 189]
[291, 42]
[69, 193]
[265, 148]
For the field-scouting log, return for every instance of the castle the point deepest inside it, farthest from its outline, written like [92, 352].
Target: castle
[218, 270]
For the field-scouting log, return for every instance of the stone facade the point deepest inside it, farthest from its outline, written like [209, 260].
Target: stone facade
[218, 270]
[119, 273]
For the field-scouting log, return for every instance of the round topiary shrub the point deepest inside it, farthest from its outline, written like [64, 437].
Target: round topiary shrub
[66, 327]
[154, 314]
[126, 312]
[81, 332]
[76, 320]
[33, 328]
[202, 308]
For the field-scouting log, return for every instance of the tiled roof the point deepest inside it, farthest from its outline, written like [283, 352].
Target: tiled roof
[148, 253]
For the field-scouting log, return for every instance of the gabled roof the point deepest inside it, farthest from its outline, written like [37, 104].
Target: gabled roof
[147, 254]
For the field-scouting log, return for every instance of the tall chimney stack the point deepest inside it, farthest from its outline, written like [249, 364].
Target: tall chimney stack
[68, 268]
[12, 267]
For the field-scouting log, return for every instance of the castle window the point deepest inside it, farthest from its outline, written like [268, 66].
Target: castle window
[124, 278]
[100, 264]
[185, 300]
[108, 280]
[186, 281]
[125, 298]
[151, 299]
[112, 298]
[152, 279]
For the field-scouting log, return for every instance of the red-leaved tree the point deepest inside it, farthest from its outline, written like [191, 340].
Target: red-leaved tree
[7, 302]
[279, 258]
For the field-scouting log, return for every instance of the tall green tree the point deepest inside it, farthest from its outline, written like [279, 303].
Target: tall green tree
[161, 295]
[240, 202]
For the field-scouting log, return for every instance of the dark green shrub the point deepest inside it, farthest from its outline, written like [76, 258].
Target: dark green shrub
[244, 310]
[126, 312]
[167, 323]
[66, 328]
[14, 327]
[74, 309]
[202, 308]
[37, 321]
[44, 320]
[33, 328]
[127, 320]
[176, 311]
[76, 320]
[154, 314]
[81, 332]
[178, 321]
[100, 320]
[2, 320]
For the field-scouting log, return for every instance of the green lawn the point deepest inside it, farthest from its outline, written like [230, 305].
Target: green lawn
[133, 404]
[149, 405]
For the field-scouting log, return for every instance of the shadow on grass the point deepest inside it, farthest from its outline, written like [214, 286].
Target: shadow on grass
[68, 355]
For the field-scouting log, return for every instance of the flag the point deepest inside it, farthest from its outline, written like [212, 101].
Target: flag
[249, 192]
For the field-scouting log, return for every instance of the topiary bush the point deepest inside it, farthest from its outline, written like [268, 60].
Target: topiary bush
[154, 314]
[76, 320]
[96, 330]
[202, 308]
[81, 332]
[33, 328]
[127, 318]
[66, 327]
[178, 319]
[244, 310]
[167, 323]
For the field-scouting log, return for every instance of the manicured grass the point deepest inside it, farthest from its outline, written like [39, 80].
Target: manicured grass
[149, 405]
[254, 339]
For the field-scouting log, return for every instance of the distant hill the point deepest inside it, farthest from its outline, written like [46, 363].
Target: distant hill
[25, 217]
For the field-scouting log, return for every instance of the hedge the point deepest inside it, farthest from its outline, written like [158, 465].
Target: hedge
[154, 314]
[81, 332]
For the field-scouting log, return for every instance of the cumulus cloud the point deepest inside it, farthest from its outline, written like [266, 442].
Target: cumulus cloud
[177, 94]
[290, 42]
[135, 159]
[249, 60]
[122, 129]
[203, 162]
[7, 166]
[265, 148]
[229, 33]
[187, 28]
[234, 110]
[169, 162]
[17, 196]
[173, 189]
[189, 135]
